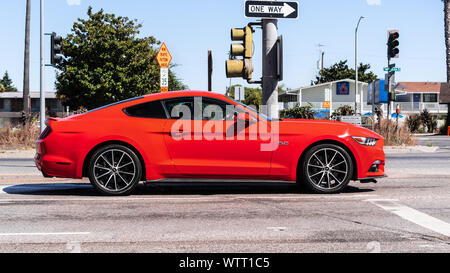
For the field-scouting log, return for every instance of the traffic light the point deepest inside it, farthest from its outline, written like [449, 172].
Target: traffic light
[241, 68]
[56, 49]
[393, 43]
[390, 85]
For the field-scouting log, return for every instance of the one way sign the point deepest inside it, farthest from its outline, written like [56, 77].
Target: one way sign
[271, 9]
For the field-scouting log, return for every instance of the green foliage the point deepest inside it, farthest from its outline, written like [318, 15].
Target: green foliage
[414, 122]
[341, 70]
[298, 112]
[6, 84]
[345, 110]
[428, 121]
[443, 130]
[106, 62]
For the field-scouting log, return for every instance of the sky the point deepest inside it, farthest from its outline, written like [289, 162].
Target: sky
[191, 28]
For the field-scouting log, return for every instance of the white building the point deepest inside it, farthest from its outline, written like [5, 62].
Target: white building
[343, 92]
[412, 97]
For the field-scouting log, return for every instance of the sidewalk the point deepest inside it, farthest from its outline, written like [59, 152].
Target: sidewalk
[409, 149]
[17, 153]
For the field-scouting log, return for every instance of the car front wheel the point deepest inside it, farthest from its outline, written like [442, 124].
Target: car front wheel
[326, 168]
[115, 170]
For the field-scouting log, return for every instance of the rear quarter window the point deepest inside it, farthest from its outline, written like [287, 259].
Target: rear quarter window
[152, 109]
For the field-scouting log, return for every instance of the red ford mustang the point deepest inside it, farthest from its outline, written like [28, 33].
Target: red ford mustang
[200, 135]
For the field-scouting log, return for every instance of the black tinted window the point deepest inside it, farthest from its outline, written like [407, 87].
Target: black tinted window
[180, 108]
[204, 108]
[152, 109]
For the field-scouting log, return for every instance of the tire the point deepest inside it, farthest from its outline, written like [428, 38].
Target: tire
[326, 169]
[115, 170]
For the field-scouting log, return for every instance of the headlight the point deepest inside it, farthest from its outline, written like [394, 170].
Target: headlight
[367, 141]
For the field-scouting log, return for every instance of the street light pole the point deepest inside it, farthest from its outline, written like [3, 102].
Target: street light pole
[356, 67]
[42, 93]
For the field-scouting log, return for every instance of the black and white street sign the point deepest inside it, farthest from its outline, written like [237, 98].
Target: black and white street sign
[271, 9]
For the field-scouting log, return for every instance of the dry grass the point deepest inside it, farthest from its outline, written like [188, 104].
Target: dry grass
[18, 137]
[393, 135]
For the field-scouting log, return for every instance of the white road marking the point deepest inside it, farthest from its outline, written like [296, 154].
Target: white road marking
[412, 215]
[45, 234]
[277, 228]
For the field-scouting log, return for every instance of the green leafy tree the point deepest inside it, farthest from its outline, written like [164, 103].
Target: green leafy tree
[106, 62]
[253, 96]
[341, 70]
[6, 84]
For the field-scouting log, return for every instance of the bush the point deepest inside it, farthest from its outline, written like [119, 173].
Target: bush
[19, 136]
[427, 121]
[298, 112]
[394, 135]
[444, 129]
[414, 122]
[345, 110]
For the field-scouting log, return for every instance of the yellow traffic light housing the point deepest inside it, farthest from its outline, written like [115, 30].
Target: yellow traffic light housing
[241, 68]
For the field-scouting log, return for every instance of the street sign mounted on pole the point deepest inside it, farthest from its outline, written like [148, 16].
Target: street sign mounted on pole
[271, 9]
[164, 79]
[392, 69]
[239, 93]
[164, 58]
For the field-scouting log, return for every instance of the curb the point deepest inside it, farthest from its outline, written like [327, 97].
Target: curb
[410, 149]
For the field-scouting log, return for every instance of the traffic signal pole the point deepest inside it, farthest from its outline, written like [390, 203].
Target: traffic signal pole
[270, 77]
[42, 66]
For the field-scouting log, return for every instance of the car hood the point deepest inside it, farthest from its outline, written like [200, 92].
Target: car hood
[333, 127]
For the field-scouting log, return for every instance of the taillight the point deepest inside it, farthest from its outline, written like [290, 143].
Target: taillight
[45, 133]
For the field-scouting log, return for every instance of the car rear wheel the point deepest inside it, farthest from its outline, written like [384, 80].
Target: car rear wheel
[115, 170]
[326, 168]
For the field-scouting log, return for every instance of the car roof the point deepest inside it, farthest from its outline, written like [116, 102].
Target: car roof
[174, 94]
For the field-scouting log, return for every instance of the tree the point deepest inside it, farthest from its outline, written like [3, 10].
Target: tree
[6, 84]
[340, 71]
[106, 62]
[447, 46]
[253, 96]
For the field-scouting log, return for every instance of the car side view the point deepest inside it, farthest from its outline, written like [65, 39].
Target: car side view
[204, 135]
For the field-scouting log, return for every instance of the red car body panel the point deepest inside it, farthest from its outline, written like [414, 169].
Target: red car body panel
[65, 151]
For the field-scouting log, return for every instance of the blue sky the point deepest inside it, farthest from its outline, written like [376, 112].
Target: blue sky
[191, 28]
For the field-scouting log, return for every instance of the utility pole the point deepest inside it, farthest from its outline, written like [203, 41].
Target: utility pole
[321, 62]
[42, 55]
[210, 70]
[356, 66]
[26, 67]
[270, 77]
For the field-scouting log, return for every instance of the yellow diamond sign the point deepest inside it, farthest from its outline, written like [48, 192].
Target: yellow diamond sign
[163, 57]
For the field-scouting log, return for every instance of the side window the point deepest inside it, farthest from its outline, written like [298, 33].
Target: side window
[152, 109]
[180, 108]
[213, 109]
[200, 108]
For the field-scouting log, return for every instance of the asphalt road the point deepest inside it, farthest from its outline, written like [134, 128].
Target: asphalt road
[407, 212]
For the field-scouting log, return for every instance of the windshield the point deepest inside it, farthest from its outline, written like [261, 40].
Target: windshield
[251, 108]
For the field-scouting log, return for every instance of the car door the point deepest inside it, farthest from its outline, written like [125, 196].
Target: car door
[210, 143]
[147, 122]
